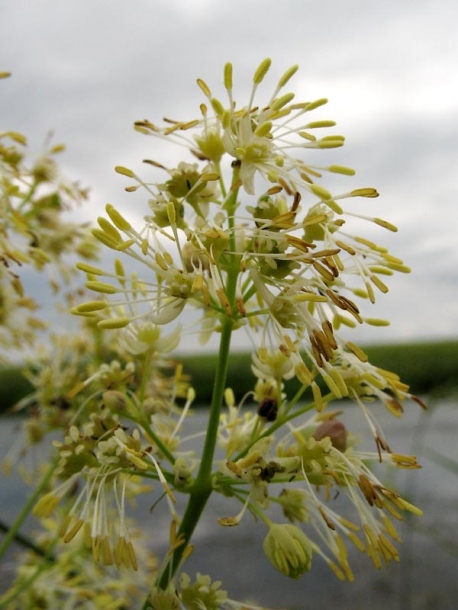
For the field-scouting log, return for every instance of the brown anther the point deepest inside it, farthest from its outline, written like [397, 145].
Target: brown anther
[328, 521]
[241, 306]
[283, 221]
[147, 124]
[327, 327]
[296, 201]
[323, 271]
[314, 219]
[322, 344]
[334, 298]
[300, 244]
[350, 306]
[345, 304]
[329, 262]
[316, 352]
[326, 252]
[382, 445]
[368, 490]
[306, 177]
[274, 190]
[154, 163]
[418, 401]
[391, 496]
[286, 186]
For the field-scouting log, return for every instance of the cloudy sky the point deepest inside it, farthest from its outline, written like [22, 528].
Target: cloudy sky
[87, 69]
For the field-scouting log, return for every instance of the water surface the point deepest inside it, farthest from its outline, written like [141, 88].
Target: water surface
[426, 578]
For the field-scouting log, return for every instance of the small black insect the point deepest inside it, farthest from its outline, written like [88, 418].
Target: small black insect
[268, 408]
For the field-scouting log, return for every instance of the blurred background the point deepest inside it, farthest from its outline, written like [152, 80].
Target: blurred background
[87, 70]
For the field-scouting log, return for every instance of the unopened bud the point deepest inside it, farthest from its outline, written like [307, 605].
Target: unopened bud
[288, 549]
[335, 430]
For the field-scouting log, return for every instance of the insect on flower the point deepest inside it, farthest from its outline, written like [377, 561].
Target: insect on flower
[268, 408]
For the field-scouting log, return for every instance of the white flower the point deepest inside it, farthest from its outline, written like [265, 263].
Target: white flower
[140, 337]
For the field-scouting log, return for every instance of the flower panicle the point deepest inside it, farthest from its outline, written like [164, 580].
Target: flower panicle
[246, 236]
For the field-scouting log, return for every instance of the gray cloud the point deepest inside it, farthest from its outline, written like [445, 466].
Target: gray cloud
[87, 70]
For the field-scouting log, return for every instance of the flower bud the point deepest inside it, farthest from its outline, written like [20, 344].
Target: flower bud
[335, 430]
[288, 549]
[293, 502]
[182, 471]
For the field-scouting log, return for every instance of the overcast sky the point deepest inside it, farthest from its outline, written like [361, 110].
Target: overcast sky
[87, 69]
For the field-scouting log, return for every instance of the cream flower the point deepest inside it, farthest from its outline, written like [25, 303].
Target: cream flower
[140, 337]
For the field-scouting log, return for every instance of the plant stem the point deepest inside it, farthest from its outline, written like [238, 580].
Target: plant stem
[202, 487]
[27, 542]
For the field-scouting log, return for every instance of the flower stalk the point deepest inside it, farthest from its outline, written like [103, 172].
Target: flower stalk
[202, 487]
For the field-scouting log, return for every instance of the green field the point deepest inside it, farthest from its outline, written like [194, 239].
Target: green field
[428, 368]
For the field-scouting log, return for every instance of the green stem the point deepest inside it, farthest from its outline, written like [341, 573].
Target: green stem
[202, 487]
[27, 542]
[160, 445]
[143, 422]
[14, 529]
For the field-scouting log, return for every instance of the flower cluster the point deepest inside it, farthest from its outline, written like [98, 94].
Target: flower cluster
[72, 581]
[241, 237]
[284, 263]
[273, 253]
[34, 232]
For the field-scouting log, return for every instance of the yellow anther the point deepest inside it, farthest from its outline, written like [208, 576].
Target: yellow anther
[365, 192]
[262, 71]
[117, 219]
[385, 224]
[101, 287]
[357, 351]
[74, 530]
[320, 191]
[204, 87]
[119, 169]
[113, 323]
[228, 76]
[290, 72]
[316, 104]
